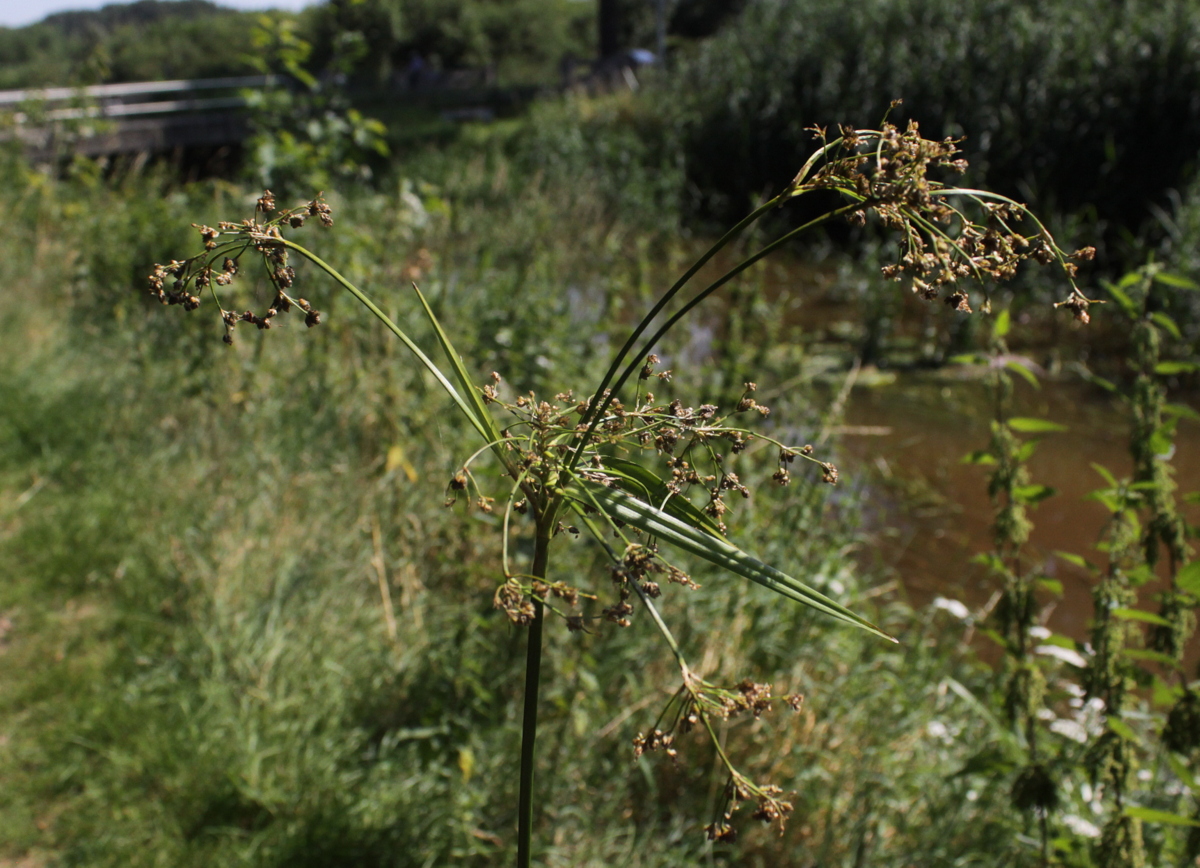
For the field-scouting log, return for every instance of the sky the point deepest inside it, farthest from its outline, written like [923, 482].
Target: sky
[18, 13]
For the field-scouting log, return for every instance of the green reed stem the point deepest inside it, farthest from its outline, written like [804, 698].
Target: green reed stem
[533, 676]
[396, 330]
[600, 401]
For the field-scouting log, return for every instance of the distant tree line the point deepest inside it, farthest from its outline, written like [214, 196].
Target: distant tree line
[376, 40]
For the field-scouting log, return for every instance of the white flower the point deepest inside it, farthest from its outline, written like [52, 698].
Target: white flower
[1080, 826]
[954, 607]
[1066, 655]
[1071, 729]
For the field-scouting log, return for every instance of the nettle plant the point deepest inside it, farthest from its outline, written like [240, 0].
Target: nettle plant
[635, 473]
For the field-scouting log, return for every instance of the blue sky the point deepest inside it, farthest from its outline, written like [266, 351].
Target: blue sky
[18, 13]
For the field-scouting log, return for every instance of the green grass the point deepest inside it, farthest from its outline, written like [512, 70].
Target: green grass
[201, 670]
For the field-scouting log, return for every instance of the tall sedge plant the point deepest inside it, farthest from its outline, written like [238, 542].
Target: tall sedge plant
[634, 472]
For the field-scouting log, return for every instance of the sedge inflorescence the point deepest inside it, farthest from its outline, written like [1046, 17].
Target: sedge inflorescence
[185, 282]
[630, 468]
[694, 445]
[947, 234]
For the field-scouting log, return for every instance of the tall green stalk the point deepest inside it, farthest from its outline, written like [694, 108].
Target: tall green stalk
[533, 676]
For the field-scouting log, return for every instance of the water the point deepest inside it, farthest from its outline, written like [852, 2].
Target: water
[929, 512]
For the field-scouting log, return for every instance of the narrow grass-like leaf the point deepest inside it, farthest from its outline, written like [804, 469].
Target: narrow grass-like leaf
[626, 508]
[1029, 425]
[1167, 369]
[1149, 815]
[1029, 376]
[1167, 324]
[639, 481]
[1140, 615]
[481, 424]
[490, 429]
[1176, 280]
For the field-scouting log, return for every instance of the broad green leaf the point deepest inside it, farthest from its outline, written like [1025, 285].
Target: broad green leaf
[1188, 578]
[1026, 450]
[979, 456]
[1182, 411]
[968, 359]
[990, 560]
[1163, 438]
[1165, 323]
[1140, 575]
[1149, 815]
[1031, 494]
[1061, 641]
[1055, 587]
[1140, 615]
[1106, 497]
[1122, 298]
[1168, 368]
[647, 485]
[1106, 385]
[1106, 473]
[1129, 279]
[1122, 729]
[1191, 497]
[1001, 325]
[624, 507]
[1165, 695]
[1072, 558]
[1176, 280]
[1144, 656]
[1028, 425]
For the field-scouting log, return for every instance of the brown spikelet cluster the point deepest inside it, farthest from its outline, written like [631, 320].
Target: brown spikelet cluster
[186, 282]
[697, 482]
[947, 235]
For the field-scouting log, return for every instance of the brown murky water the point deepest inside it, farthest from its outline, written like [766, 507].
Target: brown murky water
[930, 512]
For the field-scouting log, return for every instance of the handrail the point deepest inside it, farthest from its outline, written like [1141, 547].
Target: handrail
[135, 88]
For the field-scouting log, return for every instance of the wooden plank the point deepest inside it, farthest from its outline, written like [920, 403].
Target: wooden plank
[136, 88]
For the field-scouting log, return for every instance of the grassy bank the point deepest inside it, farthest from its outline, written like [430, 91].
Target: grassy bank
[242, 628]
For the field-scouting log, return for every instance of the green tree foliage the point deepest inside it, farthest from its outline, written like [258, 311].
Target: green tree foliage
[143, 41]
[1080, 103]
[519, 35]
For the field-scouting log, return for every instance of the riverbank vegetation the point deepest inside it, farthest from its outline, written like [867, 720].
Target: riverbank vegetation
[240, 626]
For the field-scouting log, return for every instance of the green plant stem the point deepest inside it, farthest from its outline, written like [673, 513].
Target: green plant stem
[533, 675]
[594, 409]
[600, 401]
[458, 399]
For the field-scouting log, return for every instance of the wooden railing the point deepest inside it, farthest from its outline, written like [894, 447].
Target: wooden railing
[130, 118]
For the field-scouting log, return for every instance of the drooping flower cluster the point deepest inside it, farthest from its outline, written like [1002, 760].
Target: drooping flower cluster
[184, 282]
[947, 234]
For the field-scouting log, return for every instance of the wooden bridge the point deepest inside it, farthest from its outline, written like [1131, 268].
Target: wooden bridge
[139, 117]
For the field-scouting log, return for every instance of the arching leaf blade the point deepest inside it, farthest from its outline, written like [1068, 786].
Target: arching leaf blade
[650, 519]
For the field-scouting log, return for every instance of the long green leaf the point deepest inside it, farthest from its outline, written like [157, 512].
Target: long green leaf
[481, 424]
[626, 508]
[1148, 815]
[484, 418]
[645, 484]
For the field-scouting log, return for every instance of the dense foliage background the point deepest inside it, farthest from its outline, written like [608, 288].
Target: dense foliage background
[197, 665]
